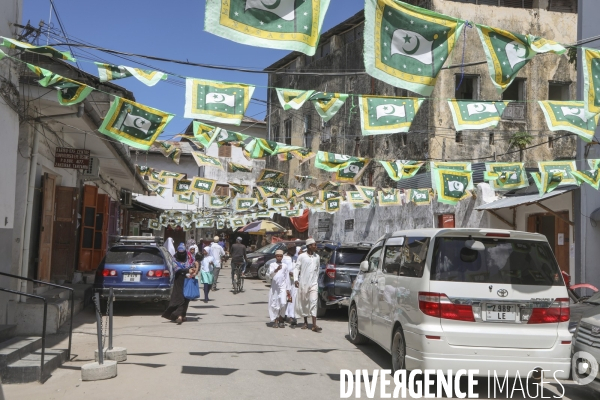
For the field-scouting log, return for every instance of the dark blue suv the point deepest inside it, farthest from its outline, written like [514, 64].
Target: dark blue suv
[340, 264]
[138, 269]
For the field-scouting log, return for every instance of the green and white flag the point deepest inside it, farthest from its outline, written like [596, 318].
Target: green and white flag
[591, 177]
[155, 176]
[205, 223]
[381, 115]
[332, 162]
[420, 197]
[258, 148]
[505, 176]
[292, 213]
[234, 167]
[292, 99]
[303, 155]
[204, 185]
[238, 188]
[547, 181]
[452, 185]
[245, 203]
[205, 134]
[171, 175]
[507, 52]
[168, 149]
[570, 116]
[109, 72]
[218, 201]
[182, 186]
[328, 194]
[159, 190]
[328, 185]
[389, 198]
[236, 223]
[134, 124]
[354, 196]
[565, 168]
[332, 205]
[280, 24]
[153, 224]
[186, 198]
[401, 169]
[41, 50]
[352, 173]
[68, 91]
[207, 161]
[269, 174]
[456, 166]
[468, 114]
[220, 224]
[367, 192]
[265, 214]
[328, 104]
[406, 46]
[143, 170]
[312, 201]
[216, 101]
[591, 81]
[276, 202]
[304, 178]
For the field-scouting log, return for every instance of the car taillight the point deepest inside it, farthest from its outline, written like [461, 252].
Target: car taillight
[158, 273]
[109, 272]
[439, 305]
[150, 273]
[330, 270]
[166, 273]
[558, 311]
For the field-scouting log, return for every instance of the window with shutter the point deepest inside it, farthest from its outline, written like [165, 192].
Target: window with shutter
[225, 151]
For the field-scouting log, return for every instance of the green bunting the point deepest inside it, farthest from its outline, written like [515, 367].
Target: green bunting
[245, 203]
[134, 124]
[570, 116]
[333, 162]
[401, 169]
[353, 172]
[238, 188]
[476, 114]
[168, 149]
[564, 168]
[591, 80]
[207, 161]
[109, 72]
[204, 185]
[218, 201]
[328, 104]
[505, 176]
[269, 175]
[381, 115]
[547, 181]
[389, 198]
[68, 91]
[452, 185]
[591, 177]
[234, 167]
[186, 198]
[281, 24]
[332, 205]
[420, 197]
[215, 101]
[406, 46]
[41, 50]
[292, 99]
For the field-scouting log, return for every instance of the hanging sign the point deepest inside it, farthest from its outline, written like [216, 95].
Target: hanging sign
[65, 157]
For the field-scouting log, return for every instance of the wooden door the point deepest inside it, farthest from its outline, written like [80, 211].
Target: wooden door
[88, 225]
[100, 229]
[562, 241]
[47, 222]
[64, 237]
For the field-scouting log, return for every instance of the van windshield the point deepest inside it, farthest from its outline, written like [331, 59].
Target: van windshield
[517, 262]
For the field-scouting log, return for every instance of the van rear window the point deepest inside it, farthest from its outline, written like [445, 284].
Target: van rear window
[348, 256]
[517, 262]
[134, 255]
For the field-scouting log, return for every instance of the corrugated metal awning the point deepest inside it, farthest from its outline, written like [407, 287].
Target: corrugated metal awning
[514, 201]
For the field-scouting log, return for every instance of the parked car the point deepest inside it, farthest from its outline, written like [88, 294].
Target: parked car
[138, 268]
[587, 339]
[464, 299]
[581, 307]
[339, 267]
[258, 259]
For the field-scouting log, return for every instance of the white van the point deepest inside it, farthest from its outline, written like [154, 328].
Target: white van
[455, 299]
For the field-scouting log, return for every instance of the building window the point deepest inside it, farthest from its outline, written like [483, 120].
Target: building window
[225, 151]
[515, 91]
[559, 91]
[458, 137]
[221, 190]
[551, 142]
[562, 6]
[469, 87]
[491, 138]
[516, 109]
[308, 134]
[288, 131]
[275, 130]
[403, 139]
[326, 49]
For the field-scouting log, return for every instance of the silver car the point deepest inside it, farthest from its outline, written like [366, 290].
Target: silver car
[586, 349]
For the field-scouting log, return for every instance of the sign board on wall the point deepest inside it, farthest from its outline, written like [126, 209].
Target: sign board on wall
[71, 158]
[323, 225]
[348, 225]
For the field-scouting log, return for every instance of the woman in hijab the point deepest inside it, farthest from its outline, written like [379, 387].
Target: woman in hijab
[206, 272]
[170, 247]
[192, 252]
[178, 304]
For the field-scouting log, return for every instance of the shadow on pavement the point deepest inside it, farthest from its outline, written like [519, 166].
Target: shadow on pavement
[205, 353]
[207, 370]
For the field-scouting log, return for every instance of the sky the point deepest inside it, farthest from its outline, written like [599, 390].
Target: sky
[170, 29]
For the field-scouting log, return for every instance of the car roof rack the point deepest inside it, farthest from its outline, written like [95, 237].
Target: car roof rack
[139, 240]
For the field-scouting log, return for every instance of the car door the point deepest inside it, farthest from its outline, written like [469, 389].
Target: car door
[365, 291]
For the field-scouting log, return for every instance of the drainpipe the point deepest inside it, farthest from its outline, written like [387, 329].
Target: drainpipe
[31, 191]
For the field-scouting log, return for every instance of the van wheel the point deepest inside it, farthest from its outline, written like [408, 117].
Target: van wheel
[355, 336]
[262, 273]
[398, 351]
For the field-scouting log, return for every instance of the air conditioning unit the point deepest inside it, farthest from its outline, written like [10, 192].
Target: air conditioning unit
[126, 198]
[92, 172]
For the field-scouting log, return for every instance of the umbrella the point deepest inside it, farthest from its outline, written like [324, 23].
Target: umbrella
[262, 227]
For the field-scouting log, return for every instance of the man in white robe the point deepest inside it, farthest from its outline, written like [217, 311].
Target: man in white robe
[290, 312]
[217, 252]
[280, 289]
[306, 276]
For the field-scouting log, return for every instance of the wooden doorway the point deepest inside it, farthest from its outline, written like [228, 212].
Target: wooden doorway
[64, 237]
[557, 231]
[47, 219]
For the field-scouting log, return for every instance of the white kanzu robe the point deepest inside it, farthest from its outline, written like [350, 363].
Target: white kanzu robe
[290, 310]
[306, 272]
[280, 284]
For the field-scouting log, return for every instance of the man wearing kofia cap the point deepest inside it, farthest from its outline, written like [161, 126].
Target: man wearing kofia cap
[306, 276]
[217, 252]
[280, 290]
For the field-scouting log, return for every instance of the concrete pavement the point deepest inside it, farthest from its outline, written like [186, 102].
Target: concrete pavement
[225, 350]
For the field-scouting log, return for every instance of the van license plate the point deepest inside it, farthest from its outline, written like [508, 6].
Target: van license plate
[501, 312]
[131, 277]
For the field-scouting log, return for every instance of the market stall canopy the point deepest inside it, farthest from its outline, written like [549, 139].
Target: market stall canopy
[262, 228]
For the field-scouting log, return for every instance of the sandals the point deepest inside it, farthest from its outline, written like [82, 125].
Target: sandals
[275, 325]
[316, 329]
[304, 326]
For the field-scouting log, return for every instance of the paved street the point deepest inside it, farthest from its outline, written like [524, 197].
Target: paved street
[225, 350]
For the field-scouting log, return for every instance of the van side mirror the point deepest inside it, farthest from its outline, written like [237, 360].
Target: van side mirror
[364, 266]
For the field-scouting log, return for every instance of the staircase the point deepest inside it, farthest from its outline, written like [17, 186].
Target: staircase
[20, 357]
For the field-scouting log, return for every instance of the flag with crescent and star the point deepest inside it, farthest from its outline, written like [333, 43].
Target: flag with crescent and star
[182, 186]
[570, 116]
[468, 114]
[591, 81]
[420, 197]
[238, 188]
[41, 50]
[352, 172]
[155, 176]
[134, 124]
[332, 205]
[269, 175]
[109, 72]
[367, 192]
[507, 52]
[68, 91]
[245, 203]
[354, 196]
[332, 162]
[168, 149]
[277, 24]
[452, 185]
[547, 181]
[328, 104]
[401, 169]
[159, 190]
[186, 198]
[505, 176]
[303, 155]
[235, 167]
[215, 101]
[203, 185]
[143, 170]
[589, 176]
[565, 168]
[383, 115]
[292, 99]
[406, 46]
[204, 160]
[218, 201]
[452, 165]
[388, 198]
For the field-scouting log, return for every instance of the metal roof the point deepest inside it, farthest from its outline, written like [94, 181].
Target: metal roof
[515, 201]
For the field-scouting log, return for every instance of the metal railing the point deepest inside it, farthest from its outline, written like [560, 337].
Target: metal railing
[71, 300]
[43, 326]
